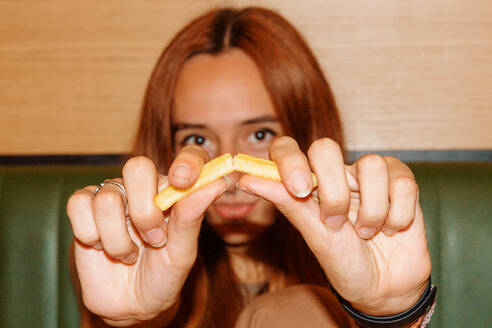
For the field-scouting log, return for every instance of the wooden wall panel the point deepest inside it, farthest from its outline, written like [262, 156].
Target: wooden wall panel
[407, 74]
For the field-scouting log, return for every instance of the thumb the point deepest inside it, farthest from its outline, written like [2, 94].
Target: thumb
[185, 222]
[303, 213]
[336, 251]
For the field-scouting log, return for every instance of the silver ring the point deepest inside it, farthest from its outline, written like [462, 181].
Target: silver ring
[120, 187]
[109, 181]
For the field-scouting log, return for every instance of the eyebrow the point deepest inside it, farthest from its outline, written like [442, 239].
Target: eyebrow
[261, 119]
[183, 126]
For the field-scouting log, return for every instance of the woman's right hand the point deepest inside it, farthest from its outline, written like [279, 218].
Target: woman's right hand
[132, 271]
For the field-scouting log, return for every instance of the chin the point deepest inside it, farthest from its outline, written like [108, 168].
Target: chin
[236, 232]
[236, 239]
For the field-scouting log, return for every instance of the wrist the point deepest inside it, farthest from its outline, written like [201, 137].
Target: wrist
[392, 305]
[423, 307]
[160, 319]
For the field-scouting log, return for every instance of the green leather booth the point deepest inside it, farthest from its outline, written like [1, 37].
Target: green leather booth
[35, 234]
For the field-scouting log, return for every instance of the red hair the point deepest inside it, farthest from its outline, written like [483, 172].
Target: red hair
[306, 109]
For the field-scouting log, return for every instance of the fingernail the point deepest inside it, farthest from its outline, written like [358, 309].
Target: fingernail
[98, 245]
[243, 189]
[156, 237]
[335, 222]
[182, 172]
[130, 259]
[227, 182]
[389, 232]
[299, 184]
[367, 233]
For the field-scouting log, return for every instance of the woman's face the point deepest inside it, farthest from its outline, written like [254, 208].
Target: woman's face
[221, 104]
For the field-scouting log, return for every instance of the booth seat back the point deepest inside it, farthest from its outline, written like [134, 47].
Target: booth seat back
[35, 235]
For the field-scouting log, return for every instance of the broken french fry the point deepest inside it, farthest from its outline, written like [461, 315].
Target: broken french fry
[260, 167]
[211, 171]
[219, 167]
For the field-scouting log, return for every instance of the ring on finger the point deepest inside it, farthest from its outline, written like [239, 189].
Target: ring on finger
[121, 189]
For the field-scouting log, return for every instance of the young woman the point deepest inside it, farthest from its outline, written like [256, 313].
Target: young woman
[244, 81]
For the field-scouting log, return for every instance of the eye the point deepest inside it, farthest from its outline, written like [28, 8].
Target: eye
[195, 139]
[261, 135]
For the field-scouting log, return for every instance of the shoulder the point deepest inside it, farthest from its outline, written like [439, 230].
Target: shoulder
[295, 306]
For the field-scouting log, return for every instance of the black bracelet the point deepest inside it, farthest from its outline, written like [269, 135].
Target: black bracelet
[392, 321]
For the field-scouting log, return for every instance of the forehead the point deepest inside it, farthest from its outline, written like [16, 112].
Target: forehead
[220, 89]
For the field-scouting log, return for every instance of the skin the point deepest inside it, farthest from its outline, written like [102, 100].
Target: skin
[227, 111]
[127, 276]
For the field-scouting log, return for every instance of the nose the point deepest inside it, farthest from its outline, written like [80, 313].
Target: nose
[233, 178]
[228, 145]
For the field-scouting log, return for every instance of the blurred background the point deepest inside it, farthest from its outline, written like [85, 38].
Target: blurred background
[409, 75]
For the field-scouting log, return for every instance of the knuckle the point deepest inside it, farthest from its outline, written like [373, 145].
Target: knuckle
[336, 200]
[137, 163]
[183, 217]
[392, 159]
[323, 145]
[77, 202]
[107, 200]
[323, 148]
[144, 220]
[179, 213]
[374, 214]
[405, 186]
[372, 162]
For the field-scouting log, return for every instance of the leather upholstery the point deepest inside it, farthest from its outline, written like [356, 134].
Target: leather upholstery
[35, 234]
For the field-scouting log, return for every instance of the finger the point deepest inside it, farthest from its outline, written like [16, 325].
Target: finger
[79, 211]
[185, 223]
[302, 213]
[109, 215]
[326, 159]
[186, 168]
[140, 176]
[162, 182]
[403, 191]
[292, 165]
[330, 248]
[373, 179]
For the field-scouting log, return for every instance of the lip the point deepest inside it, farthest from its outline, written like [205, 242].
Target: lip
[234, 211]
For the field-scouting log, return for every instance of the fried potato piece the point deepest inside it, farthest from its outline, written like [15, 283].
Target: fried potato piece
[219, 167]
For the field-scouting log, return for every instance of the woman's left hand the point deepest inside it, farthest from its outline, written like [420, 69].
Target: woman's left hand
[363, 223]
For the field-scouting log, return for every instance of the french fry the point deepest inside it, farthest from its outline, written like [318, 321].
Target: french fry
[211, 171]
[219, 167]
[260, 167]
